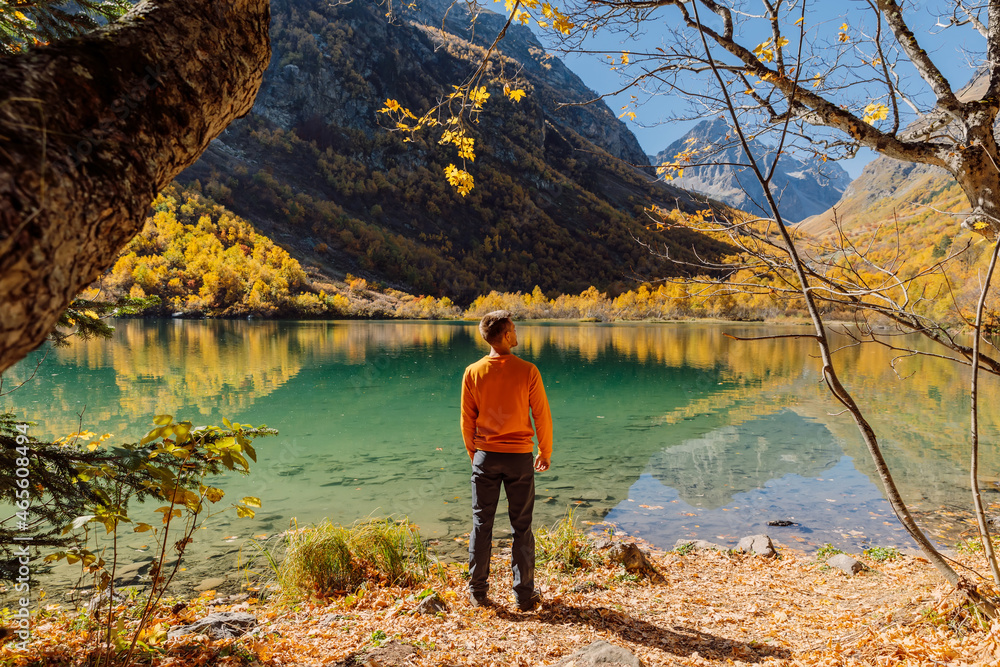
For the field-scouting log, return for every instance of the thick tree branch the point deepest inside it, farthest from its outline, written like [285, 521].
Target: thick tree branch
[992, 46]
[91, 128]
[930, 73]
[813, 108]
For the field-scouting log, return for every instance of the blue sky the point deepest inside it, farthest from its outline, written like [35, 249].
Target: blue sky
[655, 130]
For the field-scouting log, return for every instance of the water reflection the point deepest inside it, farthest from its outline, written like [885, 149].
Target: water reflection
[709, 471]
[645, 414]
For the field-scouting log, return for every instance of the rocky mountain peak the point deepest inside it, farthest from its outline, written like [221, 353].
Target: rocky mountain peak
[802, 187]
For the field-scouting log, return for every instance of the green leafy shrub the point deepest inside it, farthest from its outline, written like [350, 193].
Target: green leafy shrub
[826, 551]
[328, 559]
[882, 554]
[564, 547]
[684, 549]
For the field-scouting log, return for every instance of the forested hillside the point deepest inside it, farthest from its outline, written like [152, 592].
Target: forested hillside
[312, 168]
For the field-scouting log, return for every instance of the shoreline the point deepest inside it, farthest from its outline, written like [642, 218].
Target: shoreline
[714, 608]
[229, 570]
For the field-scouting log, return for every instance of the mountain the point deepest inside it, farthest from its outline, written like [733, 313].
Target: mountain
[801, 188]
[559, 194]
[888, 187]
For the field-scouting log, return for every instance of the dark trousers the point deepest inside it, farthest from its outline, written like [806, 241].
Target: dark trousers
[516, 473]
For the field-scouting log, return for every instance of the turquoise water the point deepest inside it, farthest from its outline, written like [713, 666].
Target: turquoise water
[666, 431]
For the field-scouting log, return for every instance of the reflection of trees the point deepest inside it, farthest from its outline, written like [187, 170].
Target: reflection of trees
[920, 410]
[217, 367]
[708, 471]
[692, 345]
[225, 367]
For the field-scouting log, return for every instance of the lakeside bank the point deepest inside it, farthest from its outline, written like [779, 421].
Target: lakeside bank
[715, 608]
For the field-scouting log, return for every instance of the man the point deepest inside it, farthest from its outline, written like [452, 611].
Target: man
[497, 393]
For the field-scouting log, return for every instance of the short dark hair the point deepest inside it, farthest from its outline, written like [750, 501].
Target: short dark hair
[493, 325]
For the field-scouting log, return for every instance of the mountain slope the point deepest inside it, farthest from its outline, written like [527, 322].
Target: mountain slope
[312, 167]
[801, 188]
[888, 187]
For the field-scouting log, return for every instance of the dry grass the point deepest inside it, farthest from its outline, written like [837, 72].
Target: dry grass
[327, 559]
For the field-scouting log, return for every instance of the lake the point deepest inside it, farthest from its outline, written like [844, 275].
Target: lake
[663, 431]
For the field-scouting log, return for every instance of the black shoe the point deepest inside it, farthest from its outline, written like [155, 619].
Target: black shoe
[530, 603]
[479, 600]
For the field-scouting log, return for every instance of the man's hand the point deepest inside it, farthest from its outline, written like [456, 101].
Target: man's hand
[542, 464]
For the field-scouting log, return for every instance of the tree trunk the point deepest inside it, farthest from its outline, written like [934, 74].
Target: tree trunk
[92, 128]
[978, 174]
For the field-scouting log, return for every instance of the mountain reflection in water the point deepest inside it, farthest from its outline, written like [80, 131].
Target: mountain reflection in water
[714, 436]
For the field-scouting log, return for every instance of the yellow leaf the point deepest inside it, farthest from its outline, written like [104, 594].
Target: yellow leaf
[390, 105]
[478, 96]
[516, 95]
[251, 501]
[799, 22]
[624, 57]
[460, 179]
[563, 25]
[874, 112]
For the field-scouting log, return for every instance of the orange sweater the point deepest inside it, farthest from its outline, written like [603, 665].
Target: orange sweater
[497, 393]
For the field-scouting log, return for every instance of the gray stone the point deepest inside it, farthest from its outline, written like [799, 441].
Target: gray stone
[101, 600]
[696, 545]
[431, 605]
[601, 542]
[219, 625]
[391, 654]
[759, 545]
[600, 653]
[587, 587]
[845, 563]
[210, 584]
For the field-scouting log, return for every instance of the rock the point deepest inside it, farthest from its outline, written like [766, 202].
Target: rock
[600, 653]
[431, 605]
[131, 573]
[390, 654]
[635, 561]
[696, 545]
[101, 600]
[759, 545]
[210, 584]
[229, 599]
[587, 587]
[219, 625]
[782, 523]
[845, 563]
[601, 543]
